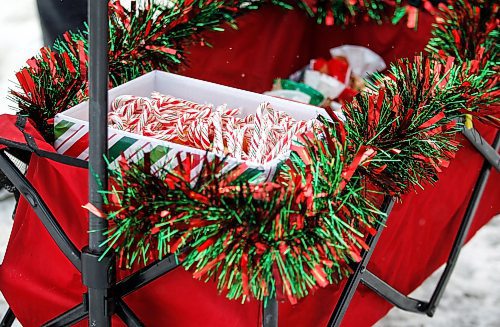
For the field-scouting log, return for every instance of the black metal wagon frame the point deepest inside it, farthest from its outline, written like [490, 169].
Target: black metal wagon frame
[104, 297]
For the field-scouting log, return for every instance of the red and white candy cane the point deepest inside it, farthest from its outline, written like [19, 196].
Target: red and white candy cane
[259, 137]
[216, 122]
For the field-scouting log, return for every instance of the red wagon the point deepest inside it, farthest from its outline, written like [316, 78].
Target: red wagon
[424, 230]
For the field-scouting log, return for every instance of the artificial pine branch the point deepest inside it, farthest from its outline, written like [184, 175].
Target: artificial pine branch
[469, 31]
[287, 236]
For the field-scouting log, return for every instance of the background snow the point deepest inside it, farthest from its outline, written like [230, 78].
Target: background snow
[472, 297]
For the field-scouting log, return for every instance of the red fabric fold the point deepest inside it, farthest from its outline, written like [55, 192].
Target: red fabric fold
[10, 132]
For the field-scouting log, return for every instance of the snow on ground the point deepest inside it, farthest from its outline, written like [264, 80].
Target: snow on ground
[471, 299]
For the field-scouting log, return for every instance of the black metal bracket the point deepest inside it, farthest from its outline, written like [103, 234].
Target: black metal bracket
[396, 298]
[127, 315]
[119, 290]
[97, 272]
[99, 297]
[145, 276]
[70, 317]
[463, 231]
[488, 151]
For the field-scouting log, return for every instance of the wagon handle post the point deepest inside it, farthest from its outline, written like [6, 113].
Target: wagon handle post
[98, 272]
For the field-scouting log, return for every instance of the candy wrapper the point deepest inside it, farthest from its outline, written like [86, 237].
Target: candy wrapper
[292, 90]
[337, 79]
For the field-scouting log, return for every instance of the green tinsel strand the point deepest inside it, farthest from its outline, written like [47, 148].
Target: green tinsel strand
[468, 30]
[335, 12]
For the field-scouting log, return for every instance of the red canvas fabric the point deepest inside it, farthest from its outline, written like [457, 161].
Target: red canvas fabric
[275, 42]
[40, 283]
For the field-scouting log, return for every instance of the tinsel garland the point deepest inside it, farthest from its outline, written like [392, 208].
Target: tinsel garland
[410, 116]
[470, 32]
[288, 236]
[334, 12]
[52, 82]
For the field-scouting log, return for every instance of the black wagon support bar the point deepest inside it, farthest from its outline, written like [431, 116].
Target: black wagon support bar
[464, 229]
[97, 273]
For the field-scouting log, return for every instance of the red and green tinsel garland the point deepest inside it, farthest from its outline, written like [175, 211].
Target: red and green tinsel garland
[289, 236]
[470, 32]
[410, 114]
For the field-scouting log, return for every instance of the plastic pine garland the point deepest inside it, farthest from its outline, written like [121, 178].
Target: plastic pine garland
[288, 236]
[470, 31]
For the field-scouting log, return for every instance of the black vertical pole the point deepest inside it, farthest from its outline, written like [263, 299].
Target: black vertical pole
[270, 312]
[97, 273]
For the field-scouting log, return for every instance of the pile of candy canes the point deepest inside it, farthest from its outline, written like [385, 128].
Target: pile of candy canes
[260, 137]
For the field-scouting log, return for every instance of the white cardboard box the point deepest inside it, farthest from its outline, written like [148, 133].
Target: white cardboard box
[71, 126]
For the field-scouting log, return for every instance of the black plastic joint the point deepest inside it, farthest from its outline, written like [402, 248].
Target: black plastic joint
[97, 272]
[29, 196]
[430, 311]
